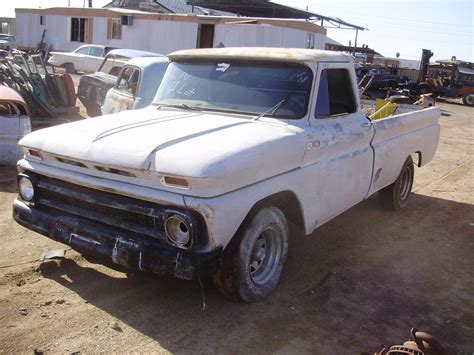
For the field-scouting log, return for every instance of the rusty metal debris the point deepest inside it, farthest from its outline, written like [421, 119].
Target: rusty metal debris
[53, 254]
[45, 93]
[421, 344]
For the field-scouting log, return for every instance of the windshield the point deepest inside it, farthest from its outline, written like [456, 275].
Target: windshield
[7, 38]
[112, 64]
[247, 88]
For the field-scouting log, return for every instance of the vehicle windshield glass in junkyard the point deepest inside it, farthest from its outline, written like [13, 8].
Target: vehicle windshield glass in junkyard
[250, 88]
[112, 64]
[7, 38]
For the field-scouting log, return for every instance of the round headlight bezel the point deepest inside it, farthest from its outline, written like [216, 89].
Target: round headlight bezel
[178, 231]
[26, 188]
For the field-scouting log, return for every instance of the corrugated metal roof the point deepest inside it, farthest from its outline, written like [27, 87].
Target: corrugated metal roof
[333, 42]
[181, 7]
[165, 6]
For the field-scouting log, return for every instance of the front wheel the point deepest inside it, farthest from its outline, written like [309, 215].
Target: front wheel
[395, 196]
[69, 67]
[253, 261]
[468, 98]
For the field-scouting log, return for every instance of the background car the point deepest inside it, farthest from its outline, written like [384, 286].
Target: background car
[136, 84]
[14, 124]
[93, 87]
[85, 58]
[7, 42]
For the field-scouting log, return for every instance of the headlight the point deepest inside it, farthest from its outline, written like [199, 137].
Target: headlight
[178, 231]
[26, 188]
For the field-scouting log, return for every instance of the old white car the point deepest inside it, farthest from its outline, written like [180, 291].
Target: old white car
[203, 182]
[14, 124]
[136, 85]
[85, 58]
[7, 41]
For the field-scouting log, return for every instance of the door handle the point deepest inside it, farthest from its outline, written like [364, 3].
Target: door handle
[366, 125]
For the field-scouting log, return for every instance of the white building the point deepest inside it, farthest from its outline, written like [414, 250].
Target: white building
[68, 28]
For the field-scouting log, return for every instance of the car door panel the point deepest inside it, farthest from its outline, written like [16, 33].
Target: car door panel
[339, 156]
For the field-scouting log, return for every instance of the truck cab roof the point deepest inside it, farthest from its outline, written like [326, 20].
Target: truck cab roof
[297, 55]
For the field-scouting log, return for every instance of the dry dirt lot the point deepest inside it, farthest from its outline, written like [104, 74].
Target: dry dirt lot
[362, 280]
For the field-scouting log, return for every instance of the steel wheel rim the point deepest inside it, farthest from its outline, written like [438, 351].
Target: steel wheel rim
[405, 184]
[265, 256]
[470, 99]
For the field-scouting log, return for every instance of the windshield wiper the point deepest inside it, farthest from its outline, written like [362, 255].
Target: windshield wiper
[273, 109]
[183, 106]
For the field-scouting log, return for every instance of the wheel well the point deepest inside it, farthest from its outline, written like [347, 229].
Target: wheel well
[417, 158]
[287, 202]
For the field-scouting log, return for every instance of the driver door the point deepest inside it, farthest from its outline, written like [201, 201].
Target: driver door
[340, 155]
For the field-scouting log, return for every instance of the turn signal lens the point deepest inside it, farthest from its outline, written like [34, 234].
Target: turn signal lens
[35, 153]
[175, 181]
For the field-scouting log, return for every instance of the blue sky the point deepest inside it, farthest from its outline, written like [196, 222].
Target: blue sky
[405, 26]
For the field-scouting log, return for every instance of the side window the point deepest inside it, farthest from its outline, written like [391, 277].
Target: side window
[82, 50]
[128, 80]
[335, 94]
[96, 52]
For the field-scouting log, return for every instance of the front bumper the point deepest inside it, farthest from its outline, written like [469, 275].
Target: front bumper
[121, 247]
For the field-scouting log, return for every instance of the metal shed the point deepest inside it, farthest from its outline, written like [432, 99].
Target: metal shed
[162, 33]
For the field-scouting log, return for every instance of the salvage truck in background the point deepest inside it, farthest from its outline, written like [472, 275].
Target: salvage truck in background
[237, 143]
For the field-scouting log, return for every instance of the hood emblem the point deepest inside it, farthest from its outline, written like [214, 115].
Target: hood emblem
[313, 145]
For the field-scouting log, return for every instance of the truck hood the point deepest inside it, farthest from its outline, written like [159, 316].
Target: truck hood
[217, 153]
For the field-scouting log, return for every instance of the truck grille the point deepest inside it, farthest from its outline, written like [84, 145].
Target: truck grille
[130, 217]
[115, 210]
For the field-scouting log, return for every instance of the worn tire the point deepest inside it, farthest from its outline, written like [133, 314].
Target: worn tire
[424, 88]
[253, 261]
[468, 98]
[69, 67]
[395, 196]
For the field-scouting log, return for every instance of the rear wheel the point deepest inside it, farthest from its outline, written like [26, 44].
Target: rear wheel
[69, 67]
[253, 261]
[468, 98]
[395, 196]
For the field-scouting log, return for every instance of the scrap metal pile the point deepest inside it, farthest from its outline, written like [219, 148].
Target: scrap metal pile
[45, 93]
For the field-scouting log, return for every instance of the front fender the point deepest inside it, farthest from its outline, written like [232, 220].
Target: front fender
[225, 213]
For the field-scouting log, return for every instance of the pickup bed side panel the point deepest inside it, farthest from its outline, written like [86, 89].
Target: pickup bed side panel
[398, 137]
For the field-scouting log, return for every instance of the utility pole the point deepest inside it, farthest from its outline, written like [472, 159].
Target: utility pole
[355, 42]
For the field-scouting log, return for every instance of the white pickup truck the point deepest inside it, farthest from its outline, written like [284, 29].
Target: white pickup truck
[237, 143]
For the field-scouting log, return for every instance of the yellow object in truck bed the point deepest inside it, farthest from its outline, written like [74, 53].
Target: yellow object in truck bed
[383, 108]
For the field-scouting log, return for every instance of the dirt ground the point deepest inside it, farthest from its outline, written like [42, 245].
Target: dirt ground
[360, 281]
